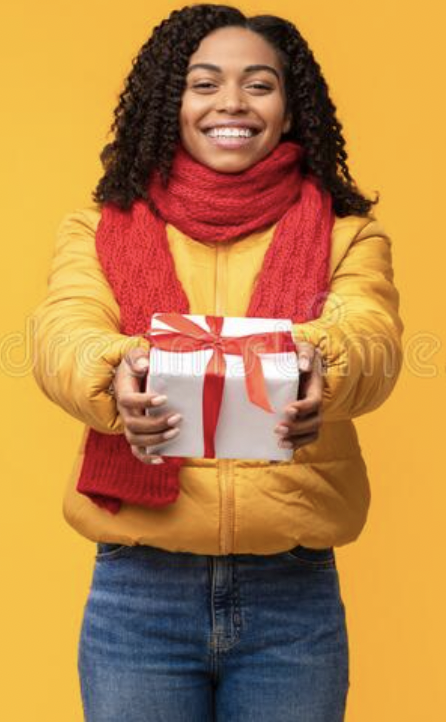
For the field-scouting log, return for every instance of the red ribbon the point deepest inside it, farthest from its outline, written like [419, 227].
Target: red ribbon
[188, 336]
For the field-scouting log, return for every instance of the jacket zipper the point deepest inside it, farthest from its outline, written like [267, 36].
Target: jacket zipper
[225, 466]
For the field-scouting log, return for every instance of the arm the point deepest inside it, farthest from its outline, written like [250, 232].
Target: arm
[359, 330]
[77, 342]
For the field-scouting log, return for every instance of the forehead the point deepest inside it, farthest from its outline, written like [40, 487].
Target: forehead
[234, 47]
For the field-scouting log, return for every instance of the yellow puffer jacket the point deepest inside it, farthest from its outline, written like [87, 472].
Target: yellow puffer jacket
[321, 497]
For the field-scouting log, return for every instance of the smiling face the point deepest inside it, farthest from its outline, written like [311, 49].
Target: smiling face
[233, 108]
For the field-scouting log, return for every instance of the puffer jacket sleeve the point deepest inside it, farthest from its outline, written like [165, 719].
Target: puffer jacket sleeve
[76, 328]
[359, 331]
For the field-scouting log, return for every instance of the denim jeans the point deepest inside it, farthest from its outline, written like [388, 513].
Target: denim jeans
[180, 637]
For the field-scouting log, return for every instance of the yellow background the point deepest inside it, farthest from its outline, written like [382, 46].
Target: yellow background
[62, 64]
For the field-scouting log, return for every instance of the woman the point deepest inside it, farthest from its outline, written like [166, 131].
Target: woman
[226, 191]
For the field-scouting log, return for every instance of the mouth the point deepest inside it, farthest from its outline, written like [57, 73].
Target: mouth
[231, 137]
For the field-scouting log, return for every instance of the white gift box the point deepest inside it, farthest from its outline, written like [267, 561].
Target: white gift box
[244, 430]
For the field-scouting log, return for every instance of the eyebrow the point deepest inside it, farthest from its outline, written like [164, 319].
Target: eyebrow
[248, 69]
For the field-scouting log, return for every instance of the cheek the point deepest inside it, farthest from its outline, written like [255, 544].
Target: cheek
[273, 114]
[190, 112]
[184, 119]
[184, 116]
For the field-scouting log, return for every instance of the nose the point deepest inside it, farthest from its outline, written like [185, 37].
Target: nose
[232, 100]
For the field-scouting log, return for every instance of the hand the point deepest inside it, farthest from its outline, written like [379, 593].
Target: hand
[141, 430]
[304, 416]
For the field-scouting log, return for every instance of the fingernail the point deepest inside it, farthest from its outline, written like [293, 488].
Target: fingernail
[281, 429]
[285, 444]
[175, 419]
[304, 363]
[141, 363]
[171, 433]
[158, 460]
[158, 400]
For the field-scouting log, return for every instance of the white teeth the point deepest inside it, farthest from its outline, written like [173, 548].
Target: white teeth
[230, 132]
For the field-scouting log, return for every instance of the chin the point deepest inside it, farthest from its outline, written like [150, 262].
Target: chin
[228, 165]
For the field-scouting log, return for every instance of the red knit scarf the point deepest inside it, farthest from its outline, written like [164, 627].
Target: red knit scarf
[206, 205]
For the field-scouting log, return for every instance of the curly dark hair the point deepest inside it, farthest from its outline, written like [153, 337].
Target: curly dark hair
[146, 119]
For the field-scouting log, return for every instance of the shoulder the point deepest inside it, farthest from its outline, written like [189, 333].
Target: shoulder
[351, 230]
[81, 220]
[76, 232]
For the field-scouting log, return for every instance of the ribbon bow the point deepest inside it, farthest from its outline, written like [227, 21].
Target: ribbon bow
[187, 336]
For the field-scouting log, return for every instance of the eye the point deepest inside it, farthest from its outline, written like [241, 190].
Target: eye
[207, 85]
[260, 86]
[204, 85]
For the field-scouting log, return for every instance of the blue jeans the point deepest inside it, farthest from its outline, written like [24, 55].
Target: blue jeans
[180, 637]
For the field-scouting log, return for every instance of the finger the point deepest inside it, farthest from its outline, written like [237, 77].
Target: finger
[138, 359]
[310, 392]
[141, 453]
[132, 369]
[303, 408]
[305, 425]
[309, 425]
[144, 440]
[149, 424]
[305, 356]
[312, 400]
[134, 403]
[297, 442]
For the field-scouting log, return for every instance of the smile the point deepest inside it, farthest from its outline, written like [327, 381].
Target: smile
[230, 137]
